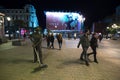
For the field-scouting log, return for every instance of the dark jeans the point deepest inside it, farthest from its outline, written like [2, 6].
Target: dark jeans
[48, 44]
[52, 44]
[60, 44]
[38, 54]
[94, 53]
[84, 54]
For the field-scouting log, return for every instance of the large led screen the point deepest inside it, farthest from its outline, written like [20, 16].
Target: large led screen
[63, 21]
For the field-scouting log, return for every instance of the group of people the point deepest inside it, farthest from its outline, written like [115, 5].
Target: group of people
[50, 40]
[86, 43]
[36, 39]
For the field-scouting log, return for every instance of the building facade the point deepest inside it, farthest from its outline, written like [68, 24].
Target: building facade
[27, 14]
[2, 25]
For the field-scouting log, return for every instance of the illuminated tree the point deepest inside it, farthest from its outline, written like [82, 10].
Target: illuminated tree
[112, 30]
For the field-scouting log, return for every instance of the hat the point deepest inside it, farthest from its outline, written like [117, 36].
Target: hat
[37, 29]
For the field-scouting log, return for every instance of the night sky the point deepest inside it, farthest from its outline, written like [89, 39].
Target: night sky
[92, 10]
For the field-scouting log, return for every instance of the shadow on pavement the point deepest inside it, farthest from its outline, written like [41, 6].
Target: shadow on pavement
[16, 61]
[78, 61]
[51, 48]
[21, 61]
[71, 62]
[39, 69]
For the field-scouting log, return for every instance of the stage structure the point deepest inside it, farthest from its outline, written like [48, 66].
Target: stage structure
[64, 21]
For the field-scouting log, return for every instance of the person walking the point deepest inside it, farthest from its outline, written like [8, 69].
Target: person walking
[94, 45]
[52, 41]
[100, 37]
[84, 41]
[24, 36]
[36, 39]
[59, 38]
[48, 40]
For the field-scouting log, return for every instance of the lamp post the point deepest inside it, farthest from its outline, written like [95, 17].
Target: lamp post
[9, 19]
[107, 32]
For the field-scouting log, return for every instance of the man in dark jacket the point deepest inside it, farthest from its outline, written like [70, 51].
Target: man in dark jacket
[52, 41]
[84, 41]
[94, 45]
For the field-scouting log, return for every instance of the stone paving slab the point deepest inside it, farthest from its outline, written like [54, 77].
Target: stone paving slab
[16, 64]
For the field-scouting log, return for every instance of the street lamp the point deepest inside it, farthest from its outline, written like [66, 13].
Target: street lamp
[108, 27]
[107, 32]
[9, 19]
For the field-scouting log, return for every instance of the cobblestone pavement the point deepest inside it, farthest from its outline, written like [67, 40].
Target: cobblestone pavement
[16, 63]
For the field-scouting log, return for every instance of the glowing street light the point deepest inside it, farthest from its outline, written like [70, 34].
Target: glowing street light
[108, 27]
[9, 19]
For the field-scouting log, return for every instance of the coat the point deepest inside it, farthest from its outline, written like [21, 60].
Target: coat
[84, 41]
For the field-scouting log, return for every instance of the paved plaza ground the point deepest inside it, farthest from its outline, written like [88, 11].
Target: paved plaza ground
[16, 62]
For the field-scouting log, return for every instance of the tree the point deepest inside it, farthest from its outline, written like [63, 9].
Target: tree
[113, 30]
